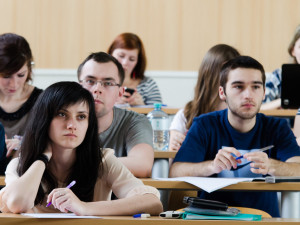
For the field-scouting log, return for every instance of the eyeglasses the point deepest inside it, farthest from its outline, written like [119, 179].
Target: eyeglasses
[93, 82]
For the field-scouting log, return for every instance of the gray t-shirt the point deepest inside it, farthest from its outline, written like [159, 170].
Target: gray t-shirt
[128, 129]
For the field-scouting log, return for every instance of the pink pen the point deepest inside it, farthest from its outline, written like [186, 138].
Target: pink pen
[69, 186]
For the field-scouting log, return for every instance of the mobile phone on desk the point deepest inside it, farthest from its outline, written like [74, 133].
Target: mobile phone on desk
[171, 214]
[129, 90]
[204, 203]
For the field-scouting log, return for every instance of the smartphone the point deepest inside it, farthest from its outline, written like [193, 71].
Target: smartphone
[129, 90]
[205, 204]
[171, 214]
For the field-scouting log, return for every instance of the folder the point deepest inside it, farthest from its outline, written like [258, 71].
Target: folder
[240, 216]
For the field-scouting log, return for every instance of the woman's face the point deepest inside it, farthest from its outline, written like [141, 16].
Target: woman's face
[296, 51]
[127, 57]
[14, 83]
[68, 128]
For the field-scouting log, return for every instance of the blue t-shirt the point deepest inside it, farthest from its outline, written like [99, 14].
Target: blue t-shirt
[3, 151]
[212, 131]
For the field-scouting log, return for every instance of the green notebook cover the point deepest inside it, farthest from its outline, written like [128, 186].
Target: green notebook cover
[240, 216]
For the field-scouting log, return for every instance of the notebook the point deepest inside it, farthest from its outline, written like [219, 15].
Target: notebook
[290, 86]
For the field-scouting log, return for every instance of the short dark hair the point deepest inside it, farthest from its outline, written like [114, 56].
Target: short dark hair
[14, 53]
[240, 62]
[87, 167]
[102, 57]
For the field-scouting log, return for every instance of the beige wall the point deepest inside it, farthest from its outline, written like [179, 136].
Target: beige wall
[176, 33]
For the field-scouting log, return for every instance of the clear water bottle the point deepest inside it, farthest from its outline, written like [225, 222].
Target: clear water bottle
[160, 124]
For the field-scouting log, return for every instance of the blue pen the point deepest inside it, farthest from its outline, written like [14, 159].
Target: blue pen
[259, 150]
[69, 186]
[141, 215]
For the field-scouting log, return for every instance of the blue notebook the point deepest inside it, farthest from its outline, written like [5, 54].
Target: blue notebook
[240, 216]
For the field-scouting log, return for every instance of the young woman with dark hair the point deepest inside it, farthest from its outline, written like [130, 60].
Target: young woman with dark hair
[129, 50]
[17, 96]
[61, 146]
[206, 97]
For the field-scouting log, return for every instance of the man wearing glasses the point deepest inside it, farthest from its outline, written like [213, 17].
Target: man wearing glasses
[127, 132]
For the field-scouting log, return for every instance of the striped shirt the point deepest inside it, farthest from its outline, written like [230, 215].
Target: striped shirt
[273, 86]
[149, 91]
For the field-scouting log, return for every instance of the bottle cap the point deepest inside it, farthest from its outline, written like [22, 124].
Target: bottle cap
[157, 105]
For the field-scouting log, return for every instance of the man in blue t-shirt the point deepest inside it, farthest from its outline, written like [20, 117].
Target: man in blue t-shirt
[216, 139]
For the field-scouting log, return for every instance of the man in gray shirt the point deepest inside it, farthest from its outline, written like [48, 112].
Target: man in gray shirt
[127, 132]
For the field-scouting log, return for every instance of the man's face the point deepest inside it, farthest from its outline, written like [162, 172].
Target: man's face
[105, 97]
[244, 92]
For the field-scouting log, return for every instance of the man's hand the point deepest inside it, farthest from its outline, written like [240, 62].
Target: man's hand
[225, 159]
[261, 163]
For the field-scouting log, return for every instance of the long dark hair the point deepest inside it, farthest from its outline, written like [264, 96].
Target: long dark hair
[88, 164]
[206, 97]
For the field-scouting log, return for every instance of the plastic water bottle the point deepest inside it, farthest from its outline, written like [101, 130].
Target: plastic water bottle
[160, 124]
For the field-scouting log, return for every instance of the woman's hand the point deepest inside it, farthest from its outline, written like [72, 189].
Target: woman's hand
[176, 139]
[136, 99]
[11, 145]
[65, 200]
[48, 151]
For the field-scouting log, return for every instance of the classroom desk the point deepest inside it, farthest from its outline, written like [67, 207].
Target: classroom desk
[9, 219]
[280, 112]
[164, 154]
[170, 111]
[2, 182]
[290, 200]
[160, 169]
[273, 112]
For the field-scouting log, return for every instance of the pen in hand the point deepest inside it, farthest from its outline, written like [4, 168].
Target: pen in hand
[69, 186]
[259, 150]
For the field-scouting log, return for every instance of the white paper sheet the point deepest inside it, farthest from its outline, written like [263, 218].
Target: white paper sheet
[208, 184]
[58, 215]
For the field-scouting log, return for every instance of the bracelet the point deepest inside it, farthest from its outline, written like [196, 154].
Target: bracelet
[43, 158]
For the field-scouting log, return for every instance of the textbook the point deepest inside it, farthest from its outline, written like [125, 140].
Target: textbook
[240, 216]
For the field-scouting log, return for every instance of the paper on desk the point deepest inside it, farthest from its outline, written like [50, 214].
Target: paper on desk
[58, 215]
[209, 184]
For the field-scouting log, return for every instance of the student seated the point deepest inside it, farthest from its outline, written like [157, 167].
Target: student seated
[216, 139]
[62, 147]
[206, 97]
[129, 50]
[17, 95]
[273, 84]
[127, 132]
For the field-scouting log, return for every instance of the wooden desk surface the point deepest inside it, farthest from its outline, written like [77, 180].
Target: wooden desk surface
[275, 112]
[170, 111]
[164, 154]
[280, 112]
[2, 178]
[7, 218]
[249, 186]
[180, 185]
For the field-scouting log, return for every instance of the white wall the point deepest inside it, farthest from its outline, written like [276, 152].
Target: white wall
[176, 88]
